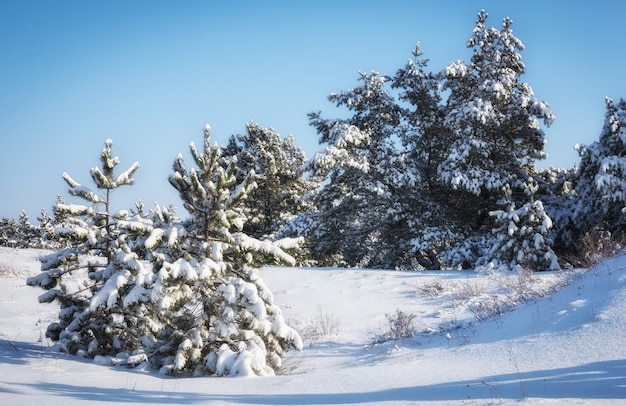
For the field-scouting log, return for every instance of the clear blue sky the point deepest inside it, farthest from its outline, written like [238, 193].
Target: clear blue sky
[150, 74]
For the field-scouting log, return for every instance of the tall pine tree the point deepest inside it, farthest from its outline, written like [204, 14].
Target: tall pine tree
[361, 172]
[425, 141]
[496, 135]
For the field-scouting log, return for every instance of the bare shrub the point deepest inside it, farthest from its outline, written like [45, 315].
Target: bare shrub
[292, 364]
[9, 270]
[469, 289]
[488, 306]
[400, 326]
[321, 326]
[595, 245]
[431, 289]
[522, 287]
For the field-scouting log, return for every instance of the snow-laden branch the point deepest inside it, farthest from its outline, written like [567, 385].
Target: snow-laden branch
[76, 189]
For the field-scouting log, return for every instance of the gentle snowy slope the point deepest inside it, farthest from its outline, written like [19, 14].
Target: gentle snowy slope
[569, 346]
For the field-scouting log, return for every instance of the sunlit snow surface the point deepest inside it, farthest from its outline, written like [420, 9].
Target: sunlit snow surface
[565, 347]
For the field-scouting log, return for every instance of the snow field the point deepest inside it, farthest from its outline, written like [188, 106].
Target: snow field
[566, 347]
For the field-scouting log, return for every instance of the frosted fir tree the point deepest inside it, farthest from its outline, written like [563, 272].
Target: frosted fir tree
[9, 231]
[90, 279]
[213, 314]
[496, 138]
[162, 243]
[522, 239]
[426, 141]
[495, 118]
[601, 184]
[93, 223]
[556, 191]
[283, 192]
[424, 135]
[26, 231]
[362, 171]
[47, 236]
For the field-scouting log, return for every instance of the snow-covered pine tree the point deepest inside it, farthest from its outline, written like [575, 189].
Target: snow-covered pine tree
[496, 136]
[424, 135]
[90, 279]
[46, 235]
[601, 184]
[362, 172]
[161, 244]
[522, 239]
[9, 231]
[425, 140]
[556, 191]
[213, 314]
[26, 231]
[283, 192]
[60, 224]
[93, 224]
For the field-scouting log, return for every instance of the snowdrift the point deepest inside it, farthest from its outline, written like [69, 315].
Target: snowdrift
[546, 338]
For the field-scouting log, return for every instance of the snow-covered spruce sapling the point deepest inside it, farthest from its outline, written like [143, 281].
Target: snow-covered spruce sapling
[90, 278]
[212, 313]
[522, 238]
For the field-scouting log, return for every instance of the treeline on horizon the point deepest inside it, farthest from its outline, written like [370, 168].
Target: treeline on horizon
[429, 170]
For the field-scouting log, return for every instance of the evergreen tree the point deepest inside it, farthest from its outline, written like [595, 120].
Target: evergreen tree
[424, 135]
[494, 117]
[282, 191]
[213, 314]
[90, 279]
[361, 172]
[426, 141]
[601, 185]
[463, 158]
[93, 224]
[556, 191]
[522, 238]
[496, 136]
[26, 232]
[9, 232]
[47, 237]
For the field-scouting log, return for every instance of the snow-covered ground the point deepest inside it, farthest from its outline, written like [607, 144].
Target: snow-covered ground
[552, 348]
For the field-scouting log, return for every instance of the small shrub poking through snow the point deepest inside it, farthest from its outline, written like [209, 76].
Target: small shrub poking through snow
[8, 270]
[431, 289]
[400, 326]
[322, 325]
